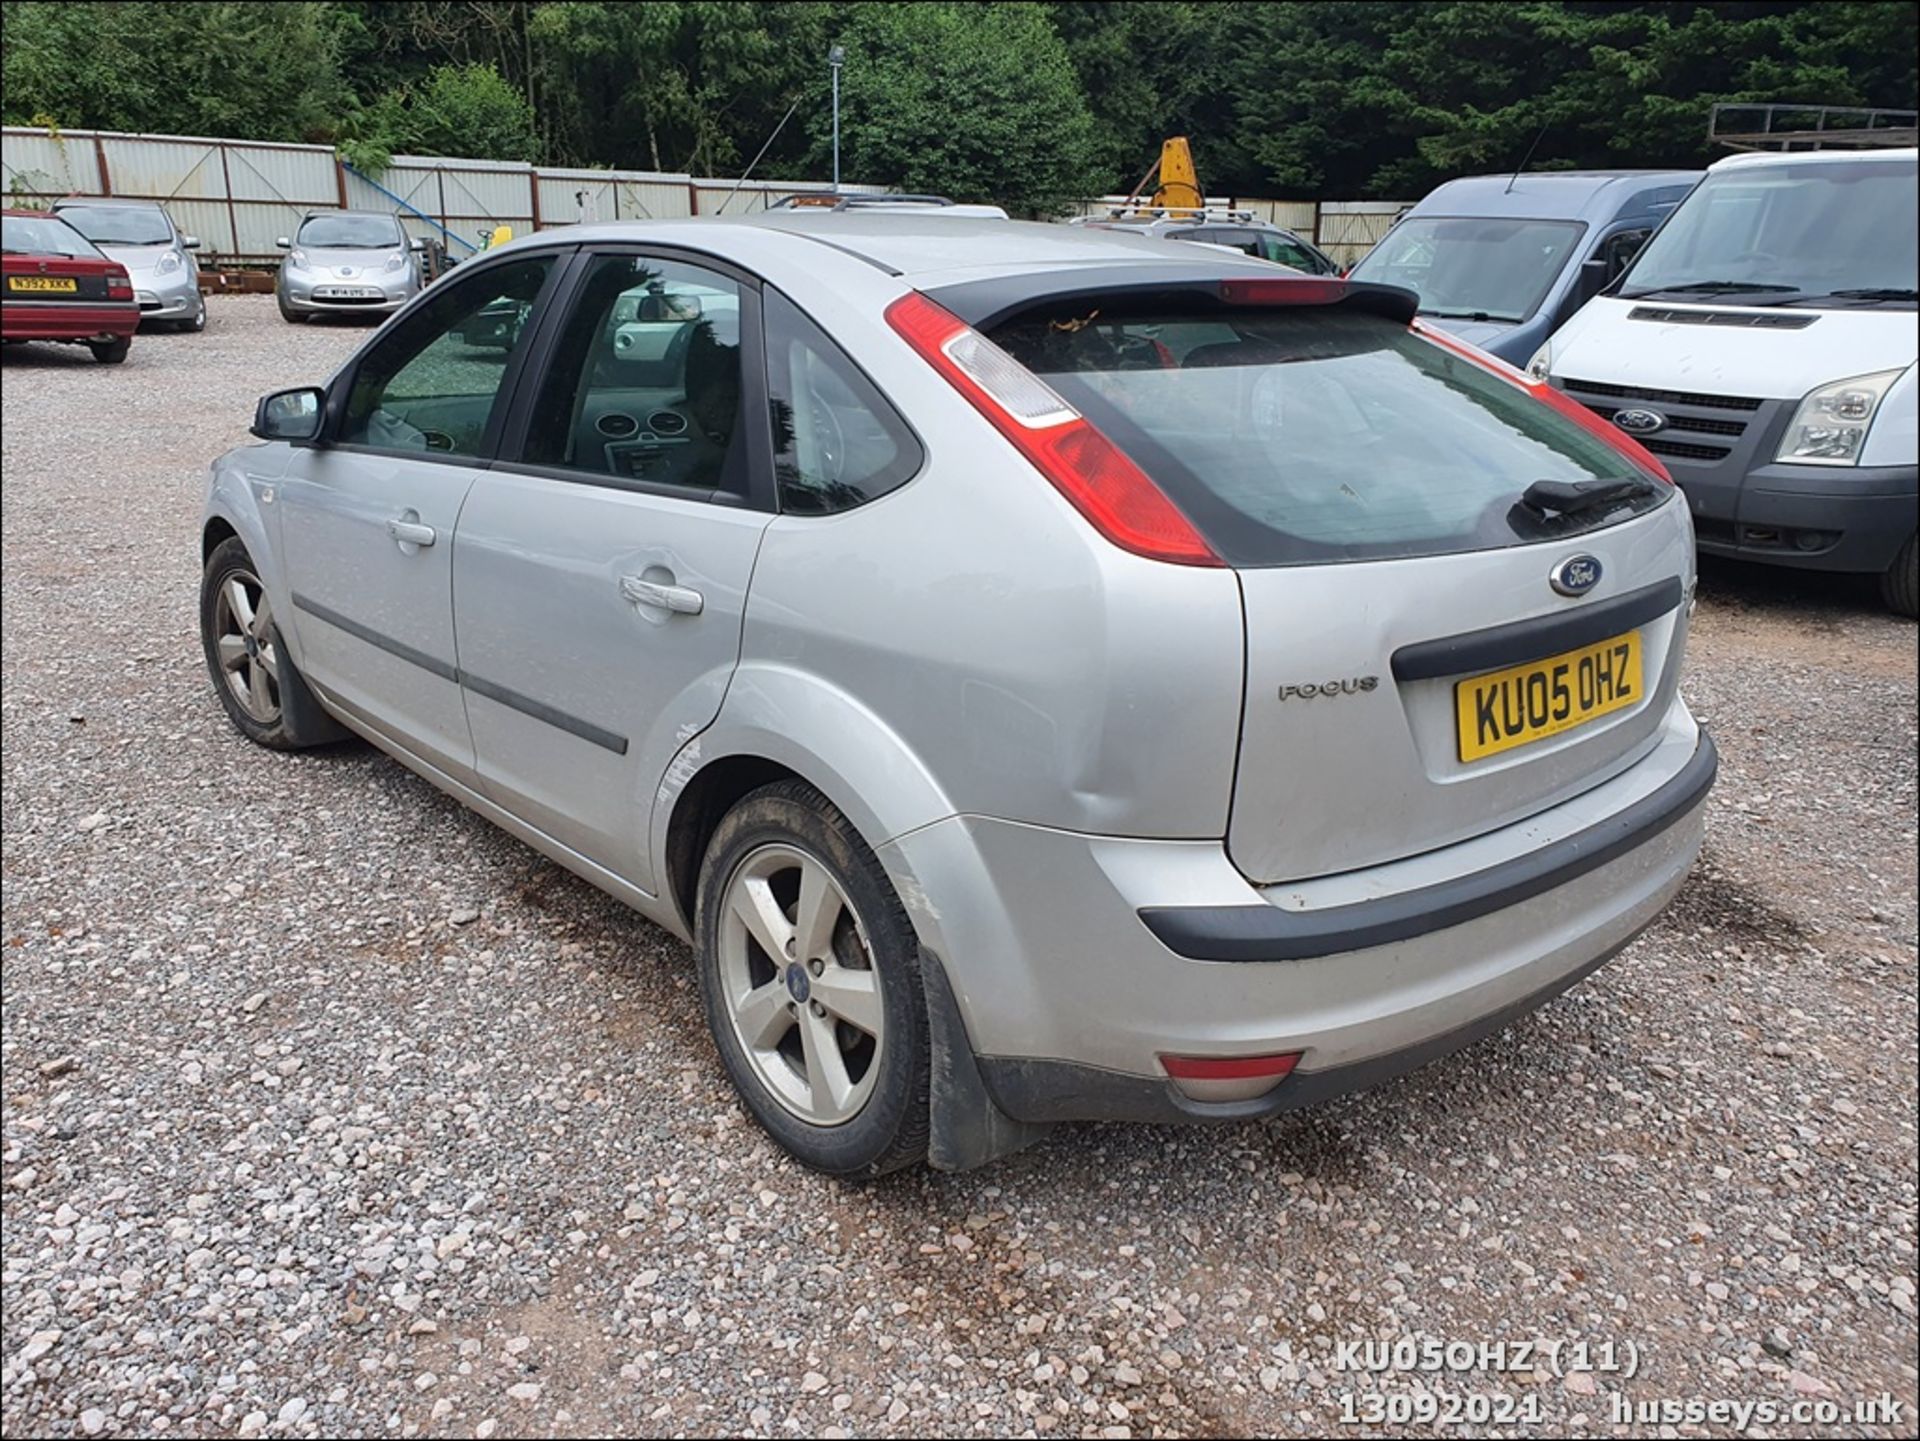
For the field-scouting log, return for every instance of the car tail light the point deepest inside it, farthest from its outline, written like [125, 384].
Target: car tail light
[119, 284]
[1229, 1078]
[1106, 487]
[1545, 393]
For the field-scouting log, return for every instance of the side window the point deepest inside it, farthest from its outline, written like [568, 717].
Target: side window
[1288, 252]
[431, 384]
[1245, 241]
[644, 384]
[836, 441]
[1618, 251]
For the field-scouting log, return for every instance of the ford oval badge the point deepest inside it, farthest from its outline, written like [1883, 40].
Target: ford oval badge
[1639, 422]
[1576, 575]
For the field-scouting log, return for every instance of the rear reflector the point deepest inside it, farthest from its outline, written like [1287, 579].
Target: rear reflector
[1106, 487]
[1221, 1068]
[1540, 390]
[1229, 1078]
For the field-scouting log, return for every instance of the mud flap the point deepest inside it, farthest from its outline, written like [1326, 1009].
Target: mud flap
[967, 1129]
[307, 721]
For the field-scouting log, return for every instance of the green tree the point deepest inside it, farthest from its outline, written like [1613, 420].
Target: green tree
[471, 110]
[975, 101]
[675, 86]
[197, 67]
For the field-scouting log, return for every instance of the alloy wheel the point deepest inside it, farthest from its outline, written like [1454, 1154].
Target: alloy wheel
[799, 984]
[246, 645]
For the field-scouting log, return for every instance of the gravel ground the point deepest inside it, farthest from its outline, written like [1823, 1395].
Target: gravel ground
[330, 1110]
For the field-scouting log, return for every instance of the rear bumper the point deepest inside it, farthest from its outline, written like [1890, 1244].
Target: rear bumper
[1070, 998]
[56, 320]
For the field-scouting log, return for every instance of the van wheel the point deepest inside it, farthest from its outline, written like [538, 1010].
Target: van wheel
[1900, 586]
[110, 352]
[810, 971]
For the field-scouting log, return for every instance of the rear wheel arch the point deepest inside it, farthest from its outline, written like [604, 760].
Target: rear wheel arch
[701, 805]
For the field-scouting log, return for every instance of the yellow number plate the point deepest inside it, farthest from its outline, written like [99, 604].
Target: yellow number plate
[42, 282]
[1509, 708]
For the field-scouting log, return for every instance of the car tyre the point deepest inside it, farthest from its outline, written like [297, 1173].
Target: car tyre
[1900, 586]
[258, 684]
[198, 322]
[111, 352]
[288, 313]
[797, 929]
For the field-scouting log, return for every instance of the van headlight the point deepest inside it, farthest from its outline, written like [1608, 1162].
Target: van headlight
[1541, 363]
[1830, 427]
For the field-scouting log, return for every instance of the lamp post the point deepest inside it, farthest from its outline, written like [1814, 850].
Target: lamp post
[836, 57]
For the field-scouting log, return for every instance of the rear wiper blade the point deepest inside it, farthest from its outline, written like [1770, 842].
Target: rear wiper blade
[1460, 315]
[1563, 497]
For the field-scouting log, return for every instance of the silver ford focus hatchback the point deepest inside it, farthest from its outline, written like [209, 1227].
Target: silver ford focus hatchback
[1047, 674]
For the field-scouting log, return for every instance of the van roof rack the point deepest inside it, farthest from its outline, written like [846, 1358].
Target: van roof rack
[1810, 127]
[1214, 213]
[842, 200]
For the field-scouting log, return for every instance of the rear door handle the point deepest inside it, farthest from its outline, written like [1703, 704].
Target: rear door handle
[677, 598]
[410, 532]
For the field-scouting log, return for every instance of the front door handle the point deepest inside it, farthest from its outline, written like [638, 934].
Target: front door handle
[679, 599]
[410, 532]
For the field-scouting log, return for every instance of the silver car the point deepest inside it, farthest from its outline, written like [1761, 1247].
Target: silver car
[1047, 674]
[1234, 229]
[140, 235]
[347, 262]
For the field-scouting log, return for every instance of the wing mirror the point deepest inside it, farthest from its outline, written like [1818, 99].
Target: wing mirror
[189, 242]
[1593, 277]
[292, 415]
[284, 243]
[416, 245]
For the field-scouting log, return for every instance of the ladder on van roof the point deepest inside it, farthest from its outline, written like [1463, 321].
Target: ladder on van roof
[1810, 127]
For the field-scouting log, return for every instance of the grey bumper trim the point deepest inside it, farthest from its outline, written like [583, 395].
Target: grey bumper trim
[1046, 1092]
[1268, 933]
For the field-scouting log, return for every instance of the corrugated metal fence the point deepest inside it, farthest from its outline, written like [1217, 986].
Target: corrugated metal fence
[239, 197]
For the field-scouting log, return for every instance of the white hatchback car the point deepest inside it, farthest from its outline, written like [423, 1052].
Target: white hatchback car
[1047, 674]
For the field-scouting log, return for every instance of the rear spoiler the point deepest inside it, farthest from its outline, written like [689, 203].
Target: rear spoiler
[986, 303]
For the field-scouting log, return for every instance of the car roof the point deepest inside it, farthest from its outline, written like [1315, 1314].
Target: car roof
[902, 244]
[1549, 194]
[336, 210]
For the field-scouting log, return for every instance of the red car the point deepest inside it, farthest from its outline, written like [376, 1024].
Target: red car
[59, 287]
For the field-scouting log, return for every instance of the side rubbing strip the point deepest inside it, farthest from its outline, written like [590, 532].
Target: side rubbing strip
[541, 711]
[526, 705]
[387, 643]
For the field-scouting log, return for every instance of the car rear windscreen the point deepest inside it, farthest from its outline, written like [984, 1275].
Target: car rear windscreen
[1309, 434]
